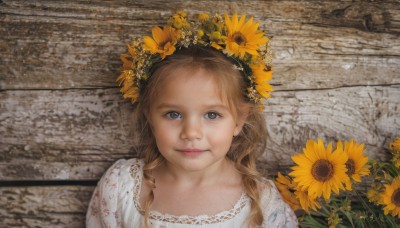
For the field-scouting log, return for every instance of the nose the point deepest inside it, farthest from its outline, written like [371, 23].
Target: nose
[191, 129]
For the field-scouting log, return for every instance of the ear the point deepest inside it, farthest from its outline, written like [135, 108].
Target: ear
[241, 119]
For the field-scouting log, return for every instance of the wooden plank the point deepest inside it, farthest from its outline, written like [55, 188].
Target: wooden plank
[370, 115]
[57, 206]
[317, 44]
[77, 134]
[61, 131]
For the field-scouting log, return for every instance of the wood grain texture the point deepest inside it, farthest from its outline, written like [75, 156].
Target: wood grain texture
[336, 76]
[317, 44]
[76, 134]
[63, 206]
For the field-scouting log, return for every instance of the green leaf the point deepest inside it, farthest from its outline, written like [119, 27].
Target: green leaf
[312, 222]
[349, 217]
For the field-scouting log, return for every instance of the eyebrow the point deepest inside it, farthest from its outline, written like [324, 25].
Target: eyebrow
[165, 105]
[210, 106]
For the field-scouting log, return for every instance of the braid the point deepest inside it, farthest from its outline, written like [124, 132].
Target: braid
[251, 182]
[152, 160]
[243, 152]
[146, 146]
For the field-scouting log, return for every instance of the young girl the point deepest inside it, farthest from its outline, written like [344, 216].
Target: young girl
[201, 130]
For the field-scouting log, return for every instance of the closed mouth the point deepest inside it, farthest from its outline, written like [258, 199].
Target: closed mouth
[191, 152]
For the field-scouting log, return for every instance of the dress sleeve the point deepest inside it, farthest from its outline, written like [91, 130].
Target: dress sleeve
[276, 212]
[102, 211]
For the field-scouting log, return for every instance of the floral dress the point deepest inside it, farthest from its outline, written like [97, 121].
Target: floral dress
[115, 203]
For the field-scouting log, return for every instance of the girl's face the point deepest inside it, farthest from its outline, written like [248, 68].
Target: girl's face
[193, 126]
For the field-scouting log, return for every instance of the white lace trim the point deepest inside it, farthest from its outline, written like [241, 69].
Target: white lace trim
[137, 175]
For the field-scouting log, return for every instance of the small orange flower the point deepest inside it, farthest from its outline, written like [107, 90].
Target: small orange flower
[163, 41]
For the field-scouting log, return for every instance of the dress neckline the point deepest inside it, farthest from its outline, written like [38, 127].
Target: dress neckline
[136, 171]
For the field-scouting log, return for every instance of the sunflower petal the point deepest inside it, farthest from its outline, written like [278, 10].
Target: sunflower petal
[158, 34]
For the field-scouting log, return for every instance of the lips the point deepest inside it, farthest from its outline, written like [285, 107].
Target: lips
[192, 152]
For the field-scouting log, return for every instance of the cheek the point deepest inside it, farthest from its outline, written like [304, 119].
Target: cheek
[221, 137]
[164, 138]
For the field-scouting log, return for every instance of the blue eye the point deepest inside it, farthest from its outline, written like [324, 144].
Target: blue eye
[173, 115]
[212, 115]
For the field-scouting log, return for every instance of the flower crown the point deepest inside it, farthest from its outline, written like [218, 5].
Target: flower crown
[238, 39]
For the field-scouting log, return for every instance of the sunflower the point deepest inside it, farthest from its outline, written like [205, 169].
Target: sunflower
[356, 164]
[243, 37]
[128, 89]
[395, 145]
[262, 76]
[163, 41]
[319, 171]
[306, 202]
[391, 198]
[292, 195]
[285, 187]
[395, 149]
[127, 64]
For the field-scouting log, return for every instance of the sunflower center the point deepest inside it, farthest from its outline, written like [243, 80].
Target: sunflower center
[396, 197]
[322, 170]
[350, 165]
[239, 38]
[161, 45]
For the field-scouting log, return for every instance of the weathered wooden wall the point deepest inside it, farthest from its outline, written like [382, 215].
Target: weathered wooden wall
[336, 76]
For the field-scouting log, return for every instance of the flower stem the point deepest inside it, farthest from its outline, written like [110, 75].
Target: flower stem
[369, 209]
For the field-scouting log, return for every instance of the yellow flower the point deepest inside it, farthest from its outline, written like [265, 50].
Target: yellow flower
[285, 186]
[262, 76]
[395, 145]
[391, 198]
[203, 17]
[395, 149]
[178, 22]
[216, 45]
[127, 58]
[243, 37]
[306, 202]
[356, 164]
[215, 36]
[200, 32]
[218, 22]
[319, 171]
[374, 194]
[297, 199]
[163, 41]
[333, 219]
[396, 160]
[181, 13]
[127, 64]
[128, 89]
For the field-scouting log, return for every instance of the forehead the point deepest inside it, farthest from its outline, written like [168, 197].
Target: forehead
[189, 85]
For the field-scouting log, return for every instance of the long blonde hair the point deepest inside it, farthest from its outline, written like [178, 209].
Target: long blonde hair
[245, 147]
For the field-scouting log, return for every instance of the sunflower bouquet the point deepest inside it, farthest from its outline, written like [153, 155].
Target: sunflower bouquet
[340, 187]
